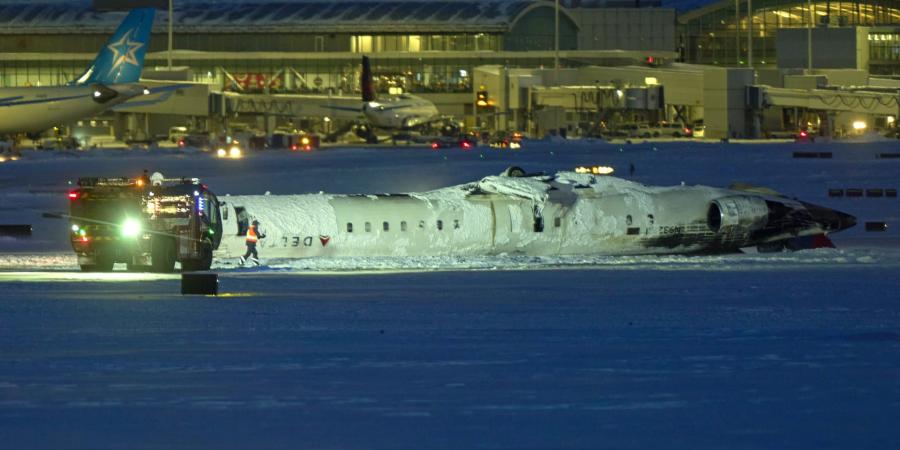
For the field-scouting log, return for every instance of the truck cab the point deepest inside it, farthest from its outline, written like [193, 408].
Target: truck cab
[147, 226]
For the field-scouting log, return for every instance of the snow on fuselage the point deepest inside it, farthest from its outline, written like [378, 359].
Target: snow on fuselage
[569, 214]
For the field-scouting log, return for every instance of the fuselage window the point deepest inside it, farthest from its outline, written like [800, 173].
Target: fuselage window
[368, 227]
[455, 224]
[422, 224]
[385, 226]
[403, 225]
[440, 224]
[557, 222]
[349, 227]
[628, 220]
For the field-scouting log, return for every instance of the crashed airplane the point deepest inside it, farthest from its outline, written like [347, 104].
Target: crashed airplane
[567, 213]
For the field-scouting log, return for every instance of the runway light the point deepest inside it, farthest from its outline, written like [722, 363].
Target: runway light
[595, 170]
[131, 227]
[859, 125]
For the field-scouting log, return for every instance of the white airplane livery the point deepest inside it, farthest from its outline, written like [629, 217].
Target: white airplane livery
[398, 112]
[109, 81]
[541, 215]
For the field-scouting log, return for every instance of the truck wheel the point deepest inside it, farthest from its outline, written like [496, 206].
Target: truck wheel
[162, 254]
[88, 268]
[203, 263]
[104, 263]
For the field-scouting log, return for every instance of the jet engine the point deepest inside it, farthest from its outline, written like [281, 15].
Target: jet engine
[103, 94]
[737, 214]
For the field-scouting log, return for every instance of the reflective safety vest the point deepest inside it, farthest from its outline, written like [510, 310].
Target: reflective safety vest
[251, 235]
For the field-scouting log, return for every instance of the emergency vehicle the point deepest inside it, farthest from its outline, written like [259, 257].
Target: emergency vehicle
[146, 225]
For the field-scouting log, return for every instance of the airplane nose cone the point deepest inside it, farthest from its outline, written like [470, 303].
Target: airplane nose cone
[831, 219]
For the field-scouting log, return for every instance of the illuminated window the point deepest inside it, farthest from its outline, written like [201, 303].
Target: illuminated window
[361, 44]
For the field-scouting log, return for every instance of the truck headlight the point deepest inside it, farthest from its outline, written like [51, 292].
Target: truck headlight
[131, 228]
[234, 152]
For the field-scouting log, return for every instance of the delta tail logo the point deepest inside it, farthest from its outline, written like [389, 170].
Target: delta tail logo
[123, 51]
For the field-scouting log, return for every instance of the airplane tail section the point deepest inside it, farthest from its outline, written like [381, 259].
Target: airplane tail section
[368, 90]
[122, 57]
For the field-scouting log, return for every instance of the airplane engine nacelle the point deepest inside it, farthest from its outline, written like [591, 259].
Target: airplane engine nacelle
[103, 94]
[737, 214]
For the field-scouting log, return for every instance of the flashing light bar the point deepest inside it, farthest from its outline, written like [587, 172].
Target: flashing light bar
[595, 170]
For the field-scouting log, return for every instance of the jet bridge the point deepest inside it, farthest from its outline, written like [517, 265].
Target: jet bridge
[882, 103]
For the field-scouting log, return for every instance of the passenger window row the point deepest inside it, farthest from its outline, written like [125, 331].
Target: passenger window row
[386, 226]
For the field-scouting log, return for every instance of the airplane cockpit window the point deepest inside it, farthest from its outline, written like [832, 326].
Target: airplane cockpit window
[385, 226]
[368, 227]
[440, 224]
[403, 225]
[349, 227]
[243, 220]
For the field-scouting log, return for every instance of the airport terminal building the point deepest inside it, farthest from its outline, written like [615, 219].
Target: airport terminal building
[447, 50]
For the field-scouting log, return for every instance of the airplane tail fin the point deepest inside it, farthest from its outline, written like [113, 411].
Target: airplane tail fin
[368, 90]
[122, 57]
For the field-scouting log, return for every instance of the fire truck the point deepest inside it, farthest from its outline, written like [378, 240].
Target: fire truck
[148, 225]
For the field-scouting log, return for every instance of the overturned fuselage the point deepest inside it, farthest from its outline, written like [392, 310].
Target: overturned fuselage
[562, 214]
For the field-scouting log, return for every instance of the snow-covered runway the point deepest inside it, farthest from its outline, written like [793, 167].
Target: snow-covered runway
[787, 350]
[789, 358]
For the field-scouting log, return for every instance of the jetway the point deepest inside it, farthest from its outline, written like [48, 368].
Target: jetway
[340, 108]
[837, 100]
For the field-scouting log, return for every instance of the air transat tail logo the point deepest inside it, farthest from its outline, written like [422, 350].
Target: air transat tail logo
[324, 240]
[123, 51]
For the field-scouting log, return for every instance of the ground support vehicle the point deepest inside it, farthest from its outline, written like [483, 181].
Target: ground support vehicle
[146, 225]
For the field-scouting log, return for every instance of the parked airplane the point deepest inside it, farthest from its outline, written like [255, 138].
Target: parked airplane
[110, 80]
[402, 112]
[567, 213]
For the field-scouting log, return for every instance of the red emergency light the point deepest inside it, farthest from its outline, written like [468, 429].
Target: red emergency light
[466, 144]
[802, 133]
[434, 145]
[73, 195]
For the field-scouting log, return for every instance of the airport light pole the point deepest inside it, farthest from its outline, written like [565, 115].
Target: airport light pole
[809, 64]
[750, 34]
[737, 33]
[556, 44]
[169, 53]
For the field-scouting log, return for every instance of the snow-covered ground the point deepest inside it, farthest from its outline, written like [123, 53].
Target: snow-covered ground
[789, 350]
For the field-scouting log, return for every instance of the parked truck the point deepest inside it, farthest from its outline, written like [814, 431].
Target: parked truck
[148, 223]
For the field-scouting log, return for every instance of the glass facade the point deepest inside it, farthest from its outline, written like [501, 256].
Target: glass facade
[719, 36]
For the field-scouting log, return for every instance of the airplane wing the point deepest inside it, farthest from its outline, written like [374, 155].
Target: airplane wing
[152, 99]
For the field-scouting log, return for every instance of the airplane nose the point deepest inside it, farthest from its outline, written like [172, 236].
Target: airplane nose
[831, 219]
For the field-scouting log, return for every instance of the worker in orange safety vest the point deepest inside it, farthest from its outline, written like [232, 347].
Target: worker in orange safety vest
[253, 236]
